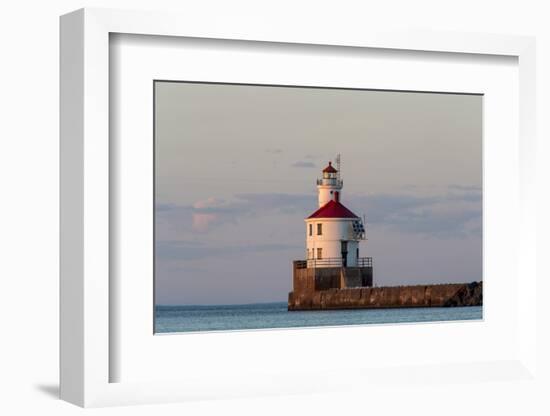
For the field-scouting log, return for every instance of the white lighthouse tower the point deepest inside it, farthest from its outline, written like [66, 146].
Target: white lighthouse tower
[333, 232]
[328, 184]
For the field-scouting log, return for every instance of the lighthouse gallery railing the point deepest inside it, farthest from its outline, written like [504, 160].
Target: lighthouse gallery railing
[332, 262]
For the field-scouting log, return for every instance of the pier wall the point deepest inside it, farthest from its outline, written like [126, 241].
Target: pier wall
[324, 278]
[456, 294]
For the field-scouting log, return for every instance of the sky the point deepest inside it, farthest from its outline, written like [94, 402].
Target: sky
[235, 172]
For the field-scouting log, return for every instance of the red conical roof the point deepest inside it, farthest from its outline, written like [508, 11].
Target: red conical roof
[329, 168]
[333, 209]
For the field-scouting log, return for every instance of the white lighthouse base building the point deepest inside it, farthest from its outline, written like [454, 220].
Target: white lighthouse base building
[334, 246]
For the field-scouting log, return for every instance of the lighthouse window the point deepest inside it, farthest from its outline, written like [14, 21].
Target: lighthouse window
[310, 229]
[320, 229]
[319, 253]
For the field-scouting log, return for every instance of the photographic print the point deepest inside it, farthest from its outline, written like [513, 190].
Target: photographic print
[289, 206]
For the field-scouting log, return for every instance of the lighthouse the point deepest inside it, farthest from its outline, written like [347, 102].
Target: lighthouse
[333, 255]
[333, 232]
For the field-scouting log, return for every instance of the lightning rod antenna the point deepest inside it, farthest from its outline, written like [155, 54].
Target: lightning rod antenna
[338, 165]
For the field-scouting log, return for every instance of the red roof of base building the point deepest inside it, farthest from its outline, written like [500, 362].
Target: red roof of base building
[330, 168]
[333, 209]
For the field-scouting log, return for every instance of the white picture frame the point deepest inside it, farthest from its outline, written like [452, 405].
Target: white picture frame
[87, 301]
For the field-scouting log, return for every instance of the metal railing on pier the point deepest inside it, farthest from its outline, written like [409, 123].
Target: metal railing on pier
[332, 262]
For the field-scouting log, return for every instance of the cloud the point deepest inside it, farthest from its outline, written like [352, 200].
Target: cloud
[465, 188]
[191, 250]
[455, 213]
[448, 215]
[203, 215]
[161, 207]
[201, 222]
[207, 203]
[303, 164]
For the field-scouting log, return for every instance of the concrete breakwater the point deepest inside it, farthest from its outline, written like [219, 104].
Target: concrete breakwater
[436, 295]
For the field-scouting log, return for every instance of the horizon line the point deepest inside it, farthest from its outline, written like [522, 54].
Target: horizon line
[220, 304]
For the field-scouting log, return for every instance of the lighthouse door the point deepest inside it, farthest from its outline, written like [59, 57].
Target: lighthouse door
[344, 249]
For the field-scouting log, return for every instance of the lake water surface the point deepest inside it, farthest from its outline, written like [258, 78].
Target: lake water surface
[187, 318]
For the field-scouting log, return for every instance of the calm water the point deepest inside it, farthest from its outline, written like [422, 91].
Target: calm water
[275, 315]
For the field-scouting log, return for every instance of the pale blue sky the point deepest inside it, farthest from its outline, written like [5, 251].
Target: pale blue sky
[235, 176]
